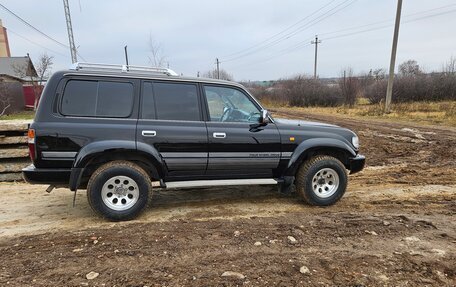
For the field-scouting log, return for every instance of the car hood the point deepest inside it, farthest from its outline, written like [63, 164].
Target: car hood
[302, 123]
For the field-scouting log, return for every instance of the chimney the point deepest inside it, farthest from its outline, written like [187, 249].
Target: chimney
[4, 45]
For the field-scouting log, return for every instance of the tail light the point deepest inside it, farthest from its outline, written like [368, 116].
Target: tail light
[31, 143]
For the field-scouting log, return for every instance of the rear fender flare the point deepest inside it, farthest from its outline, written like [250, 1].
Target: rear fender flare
[96, 149]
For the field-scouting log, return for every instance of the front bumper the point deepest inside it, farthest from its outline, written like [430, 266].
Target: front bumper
[60, 176]
[357, 163]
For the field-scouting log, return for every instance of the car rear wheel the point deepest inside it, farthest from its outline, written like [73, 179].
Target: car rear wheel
[119, 190]
[321, 180]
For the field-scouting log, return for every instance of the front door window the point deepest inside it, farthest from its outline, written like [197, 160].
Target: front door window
[230, 105]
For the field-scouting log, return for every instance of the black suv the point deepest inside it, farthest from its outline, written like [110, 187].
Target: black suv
[114, 129]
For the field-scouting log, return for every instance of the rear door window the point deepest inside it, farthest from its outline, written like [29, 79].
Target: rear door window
[176, 101]
[87, 98]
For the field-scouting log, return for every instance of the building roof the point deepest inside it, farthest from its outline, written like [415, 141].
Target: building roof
[18, 67]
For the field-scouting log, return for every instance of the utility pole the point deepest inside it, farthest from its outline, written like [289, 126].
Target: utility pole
[316, 42]
[73, 51]
[218, 67]
[126, 56]
[389, 89]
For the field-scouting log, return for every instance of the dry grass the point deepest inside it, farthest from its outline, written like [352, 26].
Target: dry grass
[24, 115]
[443, 113]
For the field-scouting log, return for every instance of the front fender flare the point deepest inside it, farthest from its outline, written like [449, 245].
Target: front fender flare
[300, 152]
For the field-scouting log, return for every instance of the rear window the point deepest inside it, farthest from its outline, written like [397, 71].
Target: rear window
[97, 99]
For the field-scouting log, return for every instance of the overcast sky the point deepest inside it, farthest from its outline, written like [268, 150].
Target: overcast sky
[254, 40]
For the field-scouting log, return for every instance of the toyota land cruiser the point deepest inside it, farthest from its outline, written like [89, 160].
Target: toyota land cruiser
[114, 129]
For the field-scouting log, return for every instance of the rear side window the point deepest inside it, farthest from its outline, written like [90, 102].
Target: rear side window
[175, 101]
[97, 99]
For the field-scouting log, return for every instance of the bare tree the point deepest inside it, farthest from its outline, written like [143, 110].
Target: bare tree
[349, 86]
[410, 68]
[224, 75]
[449, 67]
[44, 67]
[379, 74]
[156, 58]
[43, 70]
[5, 98]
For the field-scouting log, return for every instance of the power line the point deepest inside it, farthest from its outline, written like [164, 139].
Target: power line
[280, 54]
[306, 42]
[301, 28]
[33, 27]
[39, 31]
[283, 31]
[389, 25]
[33, 42]
[387, 21]
[383, 26]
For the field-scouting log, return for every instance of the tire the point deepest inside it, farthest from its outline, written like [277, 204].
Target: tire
[119, 190]
[321, 180]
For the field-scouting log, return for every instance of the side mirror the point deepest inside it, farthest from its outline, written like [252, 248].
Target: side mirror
[265, 117]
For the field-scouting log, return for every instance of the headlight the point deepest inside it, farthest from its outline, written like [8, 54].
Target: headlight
[355, 142]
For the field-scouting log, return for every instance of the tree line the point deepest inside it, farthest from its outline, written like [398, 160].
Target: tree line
[411, 84]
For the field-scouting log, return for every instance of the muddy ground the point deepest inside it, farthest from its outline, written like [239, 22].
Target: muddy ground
[394, 227]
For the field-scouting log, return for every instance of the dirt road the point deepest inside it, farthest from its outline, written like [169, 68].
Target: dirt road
[394, 227]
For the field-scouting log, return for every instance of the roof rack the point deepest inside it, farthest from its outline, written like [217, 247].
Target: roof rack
[122, 68]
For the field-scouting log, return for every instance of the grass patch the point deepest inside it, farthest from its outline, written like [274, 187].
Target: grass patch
[443, 113]
[24, 115]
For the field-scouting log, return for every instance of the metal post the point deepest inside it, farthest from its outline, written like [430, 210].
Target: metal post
[316, 42]
[218, 67]
[73, 51]
[389, 89]
[126, 56]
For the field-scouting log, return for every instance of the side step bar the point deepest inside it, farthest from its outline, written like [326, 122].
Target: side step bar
[224, 182]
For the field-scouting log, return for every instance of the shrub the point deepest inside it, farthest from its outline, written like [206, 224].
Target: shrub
[422, 87]
[300, 91]
[376, 91]
[303, 91]
[349, 87]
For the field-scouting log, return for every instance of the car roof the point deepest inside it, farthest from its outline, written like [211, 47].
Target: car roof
[148, 76]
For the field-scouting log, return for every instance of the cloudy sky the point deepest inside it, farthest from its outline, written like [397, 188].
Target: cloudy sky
[254, 40]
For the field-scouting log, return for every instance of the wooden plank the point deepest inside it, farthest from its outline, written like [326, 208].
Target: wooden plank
[14, 152]
[13, 166]
[14, 125]
[13, 140]
[16, 176]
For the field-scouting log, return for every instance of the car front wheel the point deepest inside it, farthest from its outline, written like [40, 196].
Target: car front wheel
[119, 190]
[321, 180]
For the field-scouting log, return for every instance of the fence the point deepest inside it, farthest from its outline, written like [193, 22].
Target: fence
[13, 149]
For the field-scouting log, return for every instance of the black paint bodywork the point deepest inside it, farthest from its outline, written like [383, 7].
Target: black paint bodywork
[182, 150]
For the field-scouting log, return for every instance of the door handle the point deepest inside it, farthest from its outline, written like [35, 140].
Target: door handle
[219, 135]
[149, 133]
